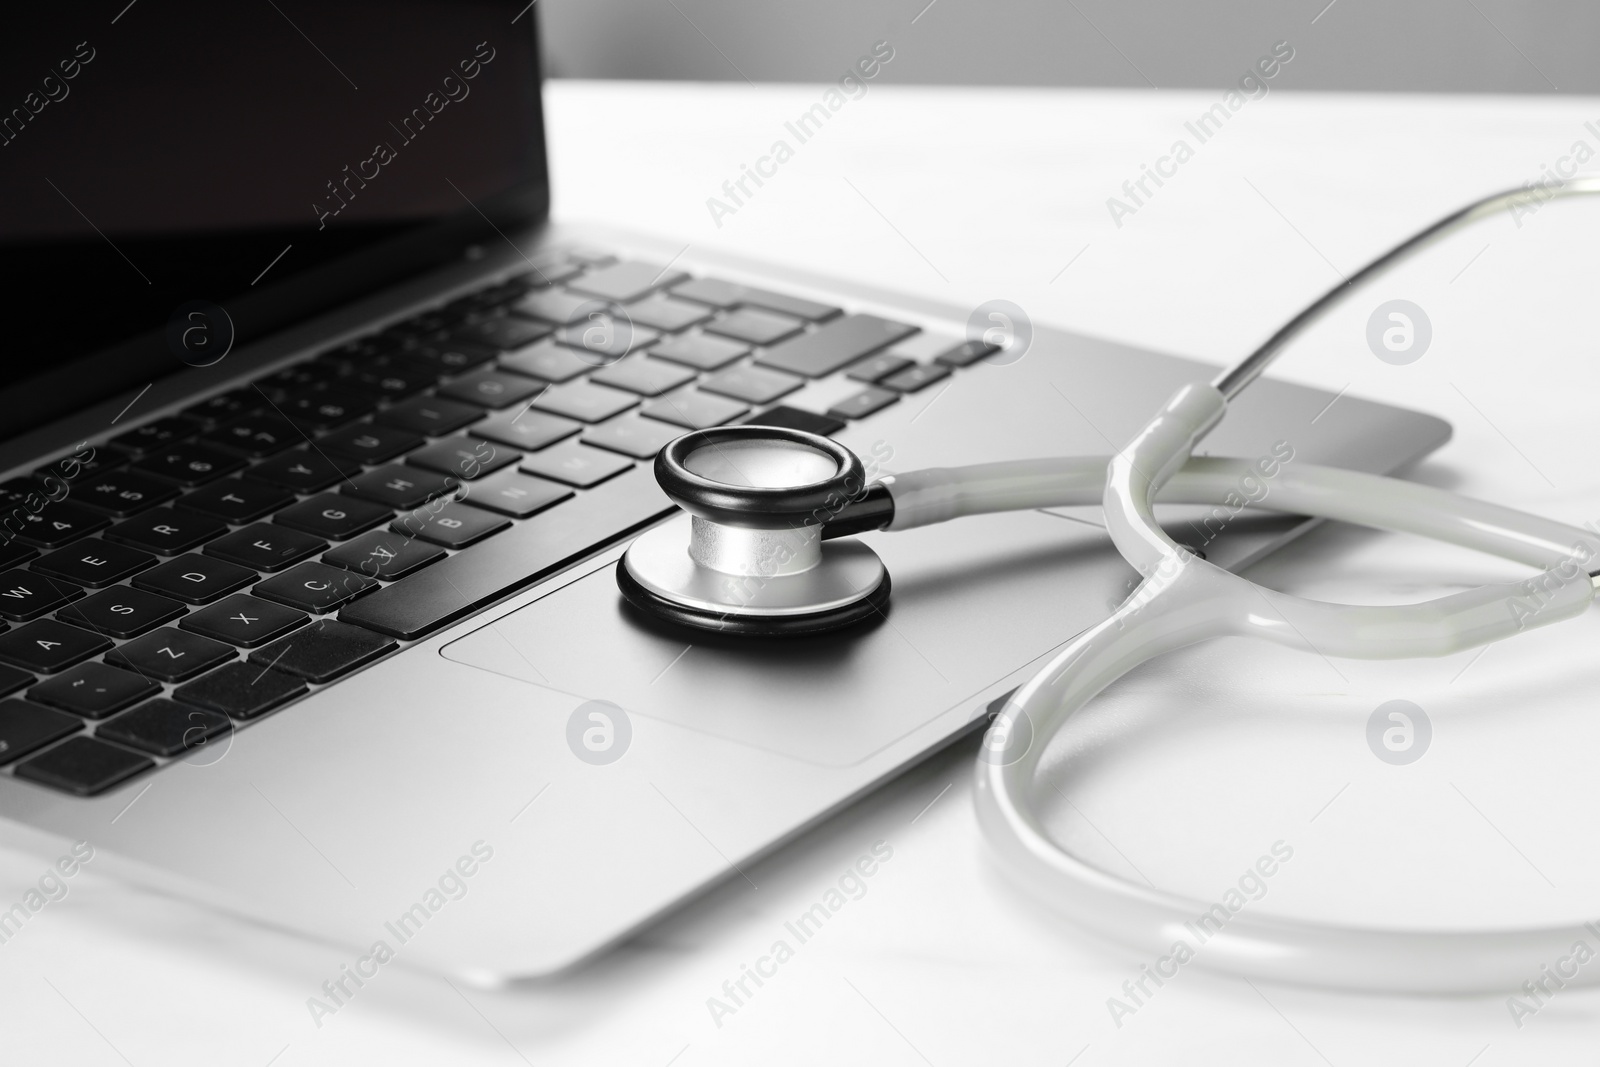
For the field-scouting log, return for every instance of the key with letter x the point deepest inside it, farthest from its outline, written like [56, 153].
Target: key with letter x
[244, 620]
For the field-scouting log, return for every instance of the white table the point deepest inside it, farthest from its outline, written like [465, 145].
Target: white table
[970, 195]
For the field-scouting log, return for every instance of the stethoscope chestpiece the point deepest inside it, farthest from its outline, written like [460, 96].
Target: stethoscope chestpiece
[751, 557]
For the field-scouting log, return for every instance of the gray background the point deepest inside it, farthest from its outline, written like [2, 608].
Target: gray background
[1502, 46]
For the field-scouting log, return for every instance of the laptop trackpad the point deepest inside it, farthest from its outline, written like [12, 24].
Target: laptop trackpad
[972, 602]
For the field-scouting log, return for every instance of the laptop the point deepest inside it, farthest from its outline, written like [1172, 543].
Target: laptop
[322, 441]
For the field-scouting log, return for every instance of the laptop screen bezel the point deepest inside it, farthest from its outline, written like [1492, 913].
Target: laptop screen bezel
[74, 384]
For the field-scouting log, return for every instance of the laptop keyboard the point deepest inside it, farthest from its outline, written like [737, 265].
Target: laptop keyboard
[207, 568]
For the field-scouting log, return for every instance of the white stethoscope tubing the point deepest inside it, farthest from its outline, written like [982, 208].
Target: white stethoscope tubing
[1184, 600]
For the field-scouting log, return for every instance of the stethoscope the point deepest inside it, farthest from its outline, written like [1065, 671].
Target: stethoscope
[769, 511]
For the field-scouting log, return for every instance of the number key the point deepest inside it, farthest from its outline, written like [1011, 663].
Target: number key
[190, 464]
[55, 524]
[123, 493]
[256, 435]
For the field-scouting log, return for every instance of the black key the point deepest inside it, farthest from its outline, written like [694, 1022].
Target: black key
[94, 563]
[593, 257]
[301, 376]
[400, 487]
[400, 361]
[553, 305]
[25, 595]
[627, 281]
[867, 402]
[93, 690]
[84, 766]
[12, 679]
[195, 579]
[25, 727]
[121, 611]
[237, 500]
[645, 376]
[48, 646]
[334, 516]
[430, 416]
[584, 402]
[29, 493]
[265, 547]
[304, 470]
[452, 525]
[145, 439]
[190, 464]
[241, 690]
[170, 655]
[315, 587]
[632, 436]
[165, 728]
[324, 650]
[122, 493]
[58, 523]
[966, 353]
[916, 377]
[15, 552]
[324, 408]
[505, 332]
[491, 388]
[755, 327]
[372, 344]
[516, 495]
[244, 620]
[381, 554]
[256, 435]
[552, 270]
[701, 352]
[721, 294]
[526, 429]
[368, 443]
[464, 457]
[755, 385]
[222, 408]
[426, 324]
[575, 464]
[459, 585]
[167, 531]
[391, 380]
[452, 356]
[694, 410]
[876, 368]
[549, 362]
[796, 419]
[661, 312]
[77, 467]
[835, 344]
[605, 338]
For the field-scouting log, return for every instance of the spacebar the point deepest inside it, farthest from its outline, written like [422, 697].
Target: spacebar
[459, 585]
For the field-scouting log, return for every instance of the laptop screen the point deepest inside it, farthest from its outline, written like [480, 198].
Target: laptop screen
[271, 159]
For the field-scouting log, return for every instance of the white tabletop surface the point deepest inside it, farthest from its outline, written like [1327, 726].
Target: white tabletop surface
[1202, 761]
